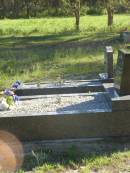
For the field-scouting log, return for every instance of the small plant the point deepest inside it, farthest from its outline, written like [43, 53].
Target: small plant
[41, 156]
[20, 171]
[8, 97]
[58, 99]
[72, 153]
[9, 100]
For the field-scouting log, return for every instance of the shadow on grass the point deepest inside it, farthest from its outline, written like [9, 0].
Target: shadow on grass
[30, 58]
[39, 47]
[75, 157]
[62, 39]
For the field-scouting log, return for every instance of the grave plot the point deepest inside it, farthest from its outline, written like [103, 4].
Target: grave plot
[60, 104]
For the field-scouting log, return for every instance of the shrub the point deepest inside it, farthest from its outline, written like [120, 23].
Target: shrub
[95, 11]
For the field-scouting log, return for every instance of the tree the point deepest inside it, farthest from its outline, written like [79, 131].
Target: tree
[5, 6]
[16, 7]
[110, 6]
[72, 5]
[110, 10]
[2, 8]
[75, 5]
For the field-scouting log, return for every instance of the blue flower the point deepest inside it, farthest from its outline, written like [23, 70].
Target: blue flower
[16, 84]
[8, 92]
[15, 98]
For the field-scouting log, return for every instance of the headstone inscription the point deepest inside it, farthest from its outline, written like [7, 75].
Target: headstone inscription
[122, 72]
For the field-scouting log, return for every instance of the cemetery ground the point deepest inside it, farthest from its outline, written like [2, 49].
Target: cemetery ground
[50, 49]
[73, 161]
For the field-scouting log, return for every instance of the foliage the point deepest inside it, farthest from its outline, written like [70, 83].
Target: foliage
[110, 6]
[36, 8]
[95, 11]
[9, 100]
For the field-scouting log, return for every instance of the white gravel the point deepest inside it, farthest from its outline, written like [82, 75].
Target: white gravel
[60, 104]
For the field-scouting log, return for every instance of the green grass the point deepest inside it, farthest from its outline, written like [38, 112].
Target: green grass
[73, 160]
[58, 25]
[50, 48]
[31, 64]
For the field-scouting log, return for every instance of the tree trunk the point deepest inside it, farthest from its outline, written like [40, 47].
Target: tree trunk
[110, 16]
[56, 11]
[77, 22]
[28, 9]
[3, 11]
[77, 14]
[15, 9]
[28, 12]
[35, 9]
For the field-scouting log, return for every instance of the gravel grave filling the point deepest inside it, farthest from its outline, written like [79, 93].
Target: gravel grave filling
[60, 104]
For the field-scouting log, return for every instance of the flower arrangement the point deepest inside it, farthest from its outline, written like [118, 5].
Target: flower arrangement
[8, 98]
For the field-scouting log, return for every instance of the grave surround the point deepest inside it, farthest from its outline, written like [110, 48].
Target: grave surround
[71, 124]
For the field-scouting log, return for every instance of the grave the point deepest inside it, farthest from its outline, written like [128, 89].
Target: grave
[73, 109]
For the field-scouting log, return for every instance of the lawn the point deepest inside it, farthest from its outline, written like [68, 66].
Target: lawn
[50, 48]
[57, 25]
[74, 161]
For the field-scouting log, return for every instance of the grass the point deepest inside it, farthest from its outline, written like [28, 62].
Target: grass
[32, 64]
[74, 161]
[58, 25]
[50, 48]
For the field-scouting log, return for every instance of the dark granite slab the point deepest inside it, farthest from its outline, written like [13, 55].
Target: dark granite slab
[118, 102]
[121, 103]
[60, 88]
[122, 73]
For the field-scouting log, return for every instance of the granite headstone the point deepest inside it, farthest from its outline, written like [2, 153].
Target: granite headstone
[109, 61]
[122, 72]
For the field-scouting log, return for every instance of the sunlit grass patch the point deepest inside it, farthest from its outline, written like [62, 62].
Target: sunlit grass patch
[59, 25]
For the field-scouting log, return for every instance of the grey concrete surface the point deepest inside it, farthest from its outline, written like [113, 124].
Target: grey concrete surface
[69, 126]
